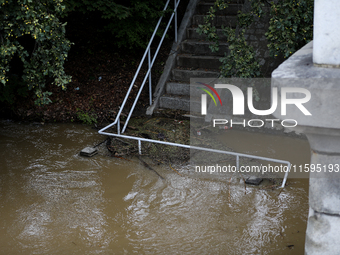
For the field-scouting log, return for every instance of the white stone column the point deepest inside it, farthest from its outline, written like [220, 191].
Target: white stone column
[323, 229]
[323, 132]
[316, 68]
[326, 32]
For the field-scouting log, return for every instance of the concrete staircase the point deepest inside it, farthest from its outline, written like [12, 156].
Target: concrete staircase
[194, 58]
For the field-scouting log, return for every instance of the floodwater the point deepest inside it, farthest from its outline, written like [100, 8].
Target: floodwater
[53, 201]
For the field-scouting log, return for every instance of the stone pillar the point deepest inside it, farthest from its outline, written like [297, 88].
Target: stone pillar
[315, 68]
[326, 32]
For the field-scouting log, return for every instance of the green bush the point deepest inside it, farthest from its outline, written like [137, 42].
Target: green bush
[32, 36]
[290, 27]
[86, 118]
[240, 60]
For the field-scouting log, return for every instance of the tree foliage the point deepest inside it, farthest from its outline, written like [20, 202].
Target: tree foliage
[290, 27]
[33, 47]
[109, 9]
[240, 60]
[130, 22]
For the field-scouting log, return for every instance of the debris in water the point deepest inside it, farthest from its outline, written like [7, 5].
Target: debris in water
[88, 152]
[150, 168]
[253, 180]
[175, 170]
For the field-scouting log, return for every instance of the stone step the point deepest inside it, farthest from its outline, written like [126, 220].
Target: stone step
[183, 89]
[232, 9]
[218, 21]
[202, 48]
[195, 59]
[175, 88]
[185, 75]
[192, 34]
[179, 103]
[192, 61]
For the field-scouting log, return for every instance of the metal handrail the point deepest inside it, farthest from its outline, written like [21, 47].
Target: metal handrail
[238, 155]
[148, 76]
[148, 73]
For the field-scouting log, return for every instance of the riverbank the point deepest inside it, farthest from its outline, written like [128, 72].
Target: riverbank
[101, 75]
[98, 87]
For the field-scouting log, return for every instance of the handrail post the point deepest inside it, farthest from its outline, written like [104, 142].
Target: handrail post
[175, 20]
[237, 163]
[139, 147]
[286, 176]
[118, 126]
[149, 66]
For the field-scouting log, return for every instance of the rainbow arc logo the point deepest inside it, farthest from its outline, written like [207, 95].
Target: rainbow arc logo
[204, 97]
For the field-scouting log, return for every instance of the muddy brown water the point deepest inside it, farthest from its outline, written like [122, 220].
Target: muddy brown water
[53, 201]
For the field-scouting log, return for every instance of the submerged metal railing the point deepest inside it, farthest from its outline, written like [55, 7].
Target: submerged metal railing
[238, 155]
[148, 76]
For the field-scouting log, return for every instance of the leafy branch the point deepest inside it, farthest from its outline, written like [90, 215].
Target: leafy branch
[26, 21]
[290, 27]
